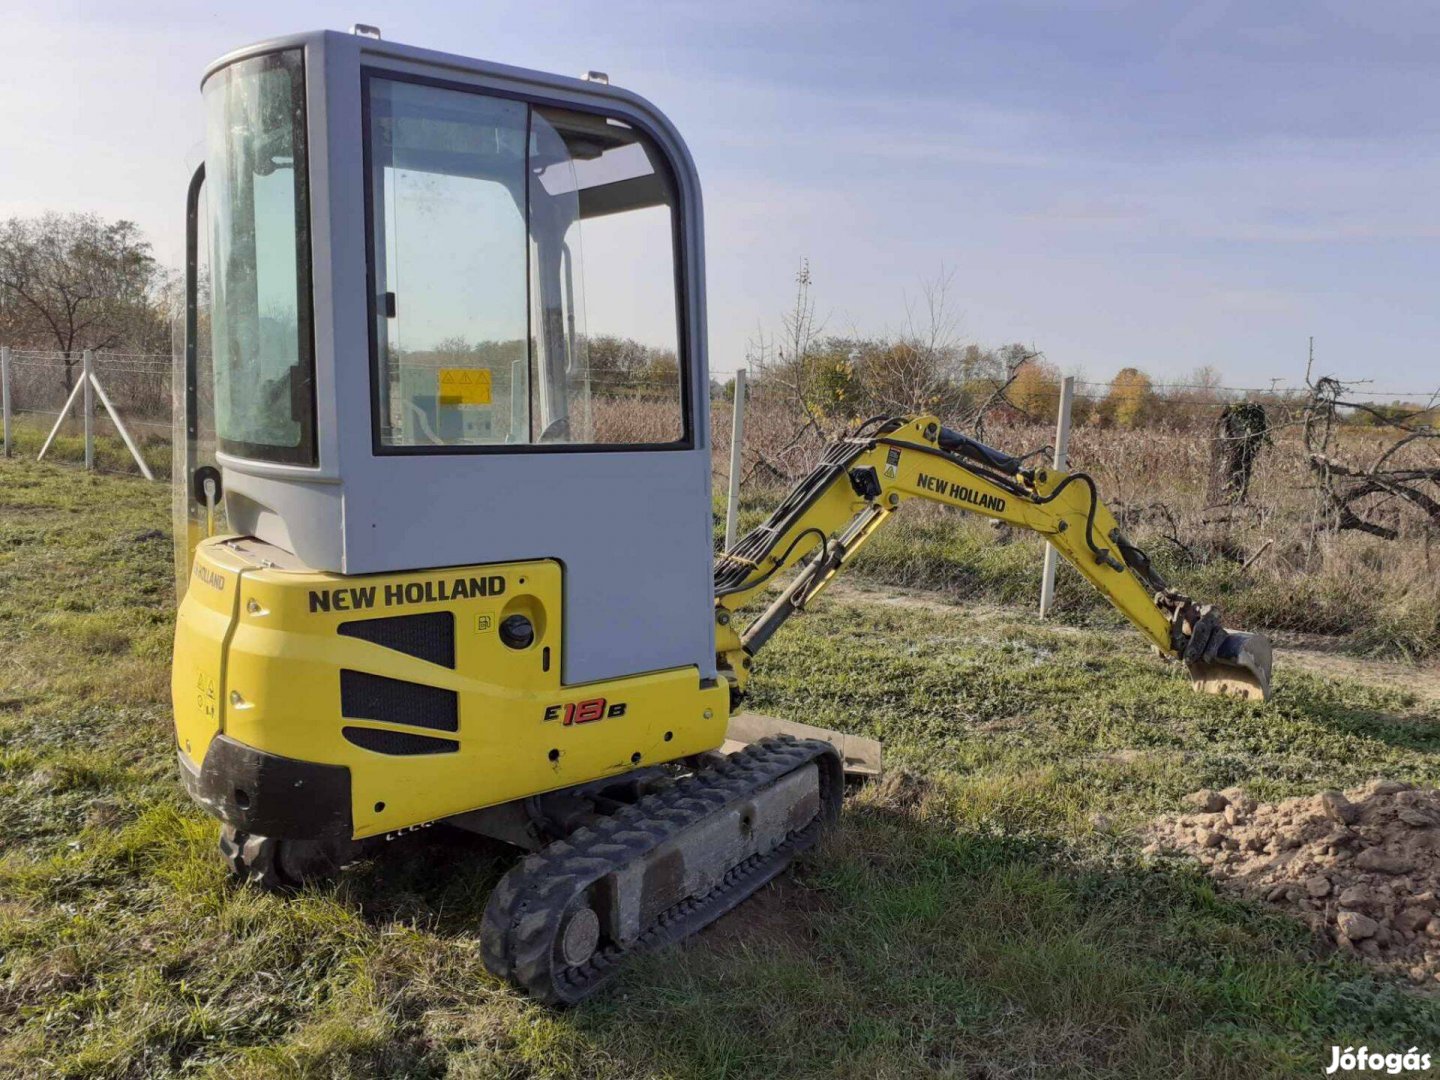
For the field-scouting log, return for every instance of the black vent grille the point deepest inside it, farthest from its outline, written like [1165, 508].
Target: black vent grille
[398, 743]
[364, 696]
[429, 637]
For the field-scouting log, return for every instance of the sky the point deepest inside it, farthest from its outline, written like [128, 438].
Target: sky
[1159, 185]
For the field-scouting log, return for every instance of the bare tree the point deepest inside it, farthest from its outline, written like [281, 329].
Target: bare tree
[76, 282]
[1352, 495]
[919, 370]
[788, 362]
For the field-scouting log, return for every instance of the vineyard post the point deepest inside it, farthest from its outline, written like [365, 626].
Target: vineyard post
[737, 440]
[1061, 461]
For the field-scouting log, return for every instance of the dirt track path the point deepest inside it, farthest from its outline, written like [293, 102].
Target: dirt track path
[1314, 653]
[1421, 679]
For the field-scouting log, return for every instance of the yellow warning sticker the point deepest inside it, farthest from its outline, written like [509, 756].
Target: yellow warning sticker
[464, 386]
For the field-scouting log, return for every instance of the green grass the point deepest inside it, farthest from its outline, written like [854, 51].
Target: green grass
[986, 914]
[111, 454]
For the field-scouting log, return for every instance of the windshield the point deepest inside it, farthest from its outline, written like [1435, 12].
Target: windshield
[255, 168]
[494, 325]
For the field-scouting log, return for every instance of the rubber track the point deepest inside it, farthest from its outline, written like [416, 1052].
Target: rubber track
[524, 914]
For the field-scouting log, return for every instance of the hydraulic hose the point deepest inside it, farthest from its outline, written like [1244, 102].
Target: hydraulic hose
[954, 442]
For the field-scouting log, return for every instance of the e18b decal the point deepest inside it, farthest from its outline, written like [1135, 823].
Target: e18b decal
[584, 712]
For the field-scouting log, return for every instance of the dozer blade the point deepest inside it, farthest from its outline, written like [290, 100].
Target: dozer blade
[1241, 668]
[861, 756]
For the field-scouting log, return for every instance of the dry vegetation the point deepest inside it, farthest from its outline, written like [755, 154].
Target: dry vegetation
[1287, 559]
[1278, 561]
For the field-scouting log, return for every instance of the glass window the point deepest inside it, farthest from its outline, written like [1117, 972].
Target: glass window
[255, 169]
[489, 330]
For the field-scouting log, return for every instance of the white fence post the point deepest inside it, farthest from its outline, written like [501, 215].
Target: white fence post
[130, 445]
[5, 394]
[1062, 451]
[737, 442]
[88, 362]
[59, 420]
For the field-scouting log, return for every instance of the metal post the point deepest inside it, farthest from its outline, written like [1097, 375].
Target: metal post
[130, 445]
[5, 394]
[737, 443]
[85, 377]
[64, 412]
[1062, 451]
[519, 402]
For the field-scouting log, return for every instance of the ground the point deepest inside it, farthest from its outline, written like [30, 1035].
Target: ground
[985, 912]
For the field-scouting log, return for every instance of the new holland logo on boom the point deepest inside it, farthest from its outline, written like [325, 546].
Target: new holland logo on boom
[960, 493]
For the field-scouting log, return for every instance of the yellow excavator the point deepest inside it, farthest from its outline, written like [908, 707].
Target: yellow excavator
[444, 543]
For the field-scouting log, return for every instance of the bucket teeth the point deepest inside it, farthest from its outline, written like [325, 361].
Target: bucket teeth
[1241, 668]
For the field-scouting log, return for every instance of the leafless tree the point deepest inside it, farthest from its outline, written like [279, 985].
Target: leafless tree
[787, 365]
[76, 282]
[1351, 495]
[919, 370]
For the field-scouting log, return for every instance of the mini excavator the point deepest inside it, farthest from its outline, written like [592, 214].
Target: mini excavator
[444, 546]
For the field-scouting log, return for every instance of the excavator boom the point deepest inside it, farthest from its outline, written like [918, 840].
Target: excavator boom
[865, 478]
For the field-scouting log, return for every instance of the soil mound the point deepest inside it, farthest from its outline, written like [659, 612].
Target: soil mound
[1361, 867]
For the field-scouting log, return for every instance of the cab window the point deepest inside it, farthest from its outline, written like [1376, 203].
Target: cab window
[523, 275]
[255, 169]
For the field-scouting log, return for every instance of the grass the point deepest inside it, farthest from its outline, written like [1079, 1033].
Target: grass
[111, 454]
[986, 913]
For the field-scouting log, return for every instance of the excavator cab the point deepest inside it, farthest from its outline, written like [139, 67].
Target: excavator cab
[443, 515]
[456, 316]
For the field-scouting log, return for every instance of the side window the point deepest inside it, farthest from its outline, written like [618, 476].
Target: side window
[602, 227]
[255, 167]
[523, 267]
[447, 172]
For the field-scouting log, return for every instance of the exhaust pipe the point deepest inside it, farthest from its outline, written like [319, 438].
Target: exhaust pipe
[1241, 668]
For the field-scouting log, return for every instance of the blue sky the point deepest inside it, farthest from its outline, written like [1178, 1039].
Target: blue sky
[1162, 185]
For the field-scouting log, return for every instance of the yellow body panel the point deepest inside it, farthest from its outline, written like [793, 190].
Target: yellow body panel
[202, 628]
[269, 642]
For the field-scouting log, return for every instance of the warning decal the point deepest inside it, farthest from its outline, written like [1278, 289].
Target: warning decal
[464, 386]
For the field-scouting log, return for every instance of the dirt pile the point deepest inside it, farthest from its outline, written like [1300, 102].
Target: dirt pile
[1361, 867]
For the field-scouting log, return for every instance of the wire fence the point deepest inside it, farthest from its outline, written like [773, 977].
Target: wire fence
[1163, 466]
[1170, 432]
[43, 400]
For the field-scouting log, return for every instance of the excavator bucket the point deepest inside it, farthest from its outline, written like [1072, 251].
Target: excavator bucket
[1241, 668]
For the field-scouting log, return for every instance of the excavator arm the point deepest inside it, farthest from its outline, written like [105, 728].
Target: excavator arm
[864, 479]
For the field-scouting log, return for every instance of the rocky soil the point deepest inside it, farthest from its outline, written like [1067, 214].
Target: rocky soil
[1361, 867]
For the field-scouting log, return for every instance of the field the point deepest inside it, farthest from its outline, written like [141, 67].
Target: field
[986, 913]
[1264, 562]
